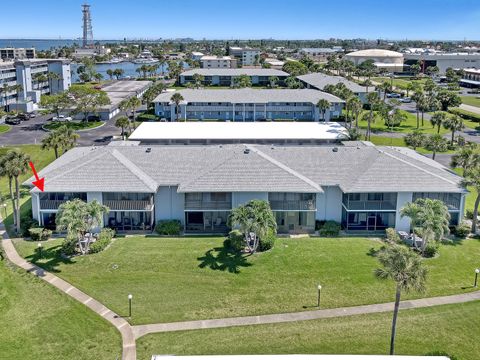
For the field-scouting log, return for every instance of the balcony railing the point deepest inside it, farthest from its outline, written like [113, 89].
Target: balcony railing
[139, 205]
[370, 205]
[51, 204]
[293, 205]
[207, 205]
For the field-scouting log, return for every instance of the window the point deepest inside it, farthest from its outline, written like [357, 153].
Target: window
[375, 197]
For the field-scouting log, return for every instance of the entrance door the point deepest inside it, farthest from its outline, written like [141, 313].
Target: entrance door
[371, 222]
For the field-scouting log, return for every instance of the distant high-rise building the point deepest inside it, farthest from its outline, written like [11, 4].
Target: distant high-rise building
[87, 26]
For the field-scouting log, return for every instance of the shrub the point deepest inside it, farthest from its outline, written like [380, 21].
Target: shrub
[147, 117]
[319, 224]
[431, 249]
[169, 227]
[39, 234]
[465, 114]
[330, 228]
[392, 235]
[104, 239]
[235, 240]
[462, 230]
[267, 242]
[26, 223]
[469, 214]
[69, 245]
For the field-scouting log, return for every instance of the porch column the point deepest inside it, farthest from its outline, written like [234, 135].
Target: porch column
[244, 112]
[254, 117]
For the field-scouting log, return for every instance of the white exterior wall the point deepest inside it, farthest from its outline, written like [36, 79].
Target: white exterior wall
[24, 78]
[169, 204]
[329, 204]
[239, 198]
[402, 224]
[35, 206]
[63, 70]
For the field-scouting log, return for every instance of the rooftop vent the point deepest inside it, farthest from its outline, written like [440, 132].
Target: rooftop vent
[246, 151]
[335, 149]
[149, 150]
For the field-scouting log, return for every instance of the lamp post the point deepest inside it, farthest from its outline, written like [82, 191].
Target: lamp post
[477, 271]
[319, 288]
[130, 305]
[4, 205]
[39, 247]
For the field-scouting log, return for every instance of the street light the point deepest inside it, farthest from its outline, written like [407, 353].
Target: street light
[477, 271]
[319, 288]
[130, 296]
[39, 247]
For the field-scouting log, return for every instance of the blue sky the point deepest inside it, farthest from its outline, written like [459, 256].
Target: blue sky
[245, 19]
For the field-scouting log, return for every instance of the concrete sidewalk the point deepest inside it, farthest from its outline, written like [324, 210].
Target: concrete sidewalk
[141, 330]
[128, 339]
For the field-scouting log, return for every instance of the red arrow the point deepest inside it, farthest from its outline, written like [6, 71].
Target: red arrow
[39, 183]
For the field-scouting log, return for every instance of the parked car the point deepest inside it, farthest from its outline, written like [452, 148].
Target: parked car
[62, 118]
[406, 100]
[32, 115]
[93, 118]
[23, 117]
[12, 121]
[393, 95]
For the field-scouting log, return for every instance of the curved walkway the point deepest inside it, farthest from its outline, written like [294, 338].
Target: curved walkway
[131, 333]
[128, 339]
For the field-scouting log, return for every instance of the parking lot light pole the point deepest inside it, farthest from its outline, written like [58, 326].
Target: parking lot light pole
[477, 271]
[319, 288]
[130, 305]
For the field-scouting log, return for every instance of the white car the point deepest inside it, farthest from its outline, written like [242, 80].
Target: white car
[62, 118]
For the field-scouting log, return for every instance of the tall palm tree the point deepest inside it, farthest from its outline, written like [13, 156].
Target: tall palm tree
[133, 103]
[454, 123]
[5, 171]
[374, 101]
[16, 164]
[323, 105]
[110, 73]
[177, 98]
[406, 269]
[52, 141]
[467, 158]
[68, 137]
[472, 178]
[5, 89]
[438, 119]
[122, 122]
[367, 83]
[356, 108]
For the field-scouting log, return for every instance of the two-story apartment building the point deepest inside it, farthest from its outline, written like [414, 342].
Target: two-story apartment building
[358, 184]
[247, 105]
[226, 77]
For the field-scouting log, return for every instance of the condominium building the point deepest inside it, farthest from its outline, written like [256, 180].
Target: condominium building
[26, 73]
[320, 80]
[197, 55]
[357, 184]
[208, 62]
[226, 77]
[247, 105]
[245, 56]
[17, 53]
[444, 60]
[471, 78]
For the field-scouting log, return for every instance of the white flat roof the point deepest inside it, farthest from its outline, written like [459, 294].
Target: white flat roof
[219, 130]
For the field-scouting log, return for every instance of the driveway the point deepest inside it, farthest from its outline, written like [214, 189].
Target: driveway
[31, 132]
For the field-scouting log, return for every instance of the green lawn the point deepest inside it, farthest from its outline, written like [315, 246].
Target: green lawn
[40, 158]
[471, 196]
[4, 128]
[471, 100]
[406, 126]
[174, 279]
[38, 322]
[74, 125]
[399, 83]
[449, 328]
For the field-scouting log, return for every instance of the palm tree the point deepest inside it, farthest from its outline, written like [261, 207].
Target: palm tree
[467, 158]
[5, 89]
[454, 123]
[273, 81]
[255, 216]
[117, 73]
[438, 119]
[374, 101]
[436, 143]
[133, 103]
[18, 89]
[110, 73]
[386, 87]
[323, 105]
[177, 98]
[415, 139]
[356, 107]
[122, 122]
[472, 178]
[68, 137]
[406, 269]
[15, 163]
[367, 83]
[5, 171]
[52, 141]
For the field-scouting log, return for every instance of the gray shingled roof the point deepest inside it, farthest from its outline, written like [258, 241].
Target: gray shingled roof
[264, 168]
[320, 80]
[234, 72]
[248, 95]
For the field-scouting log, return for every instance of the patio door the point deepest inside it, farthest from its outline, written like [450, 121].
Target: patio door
[371, 222]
